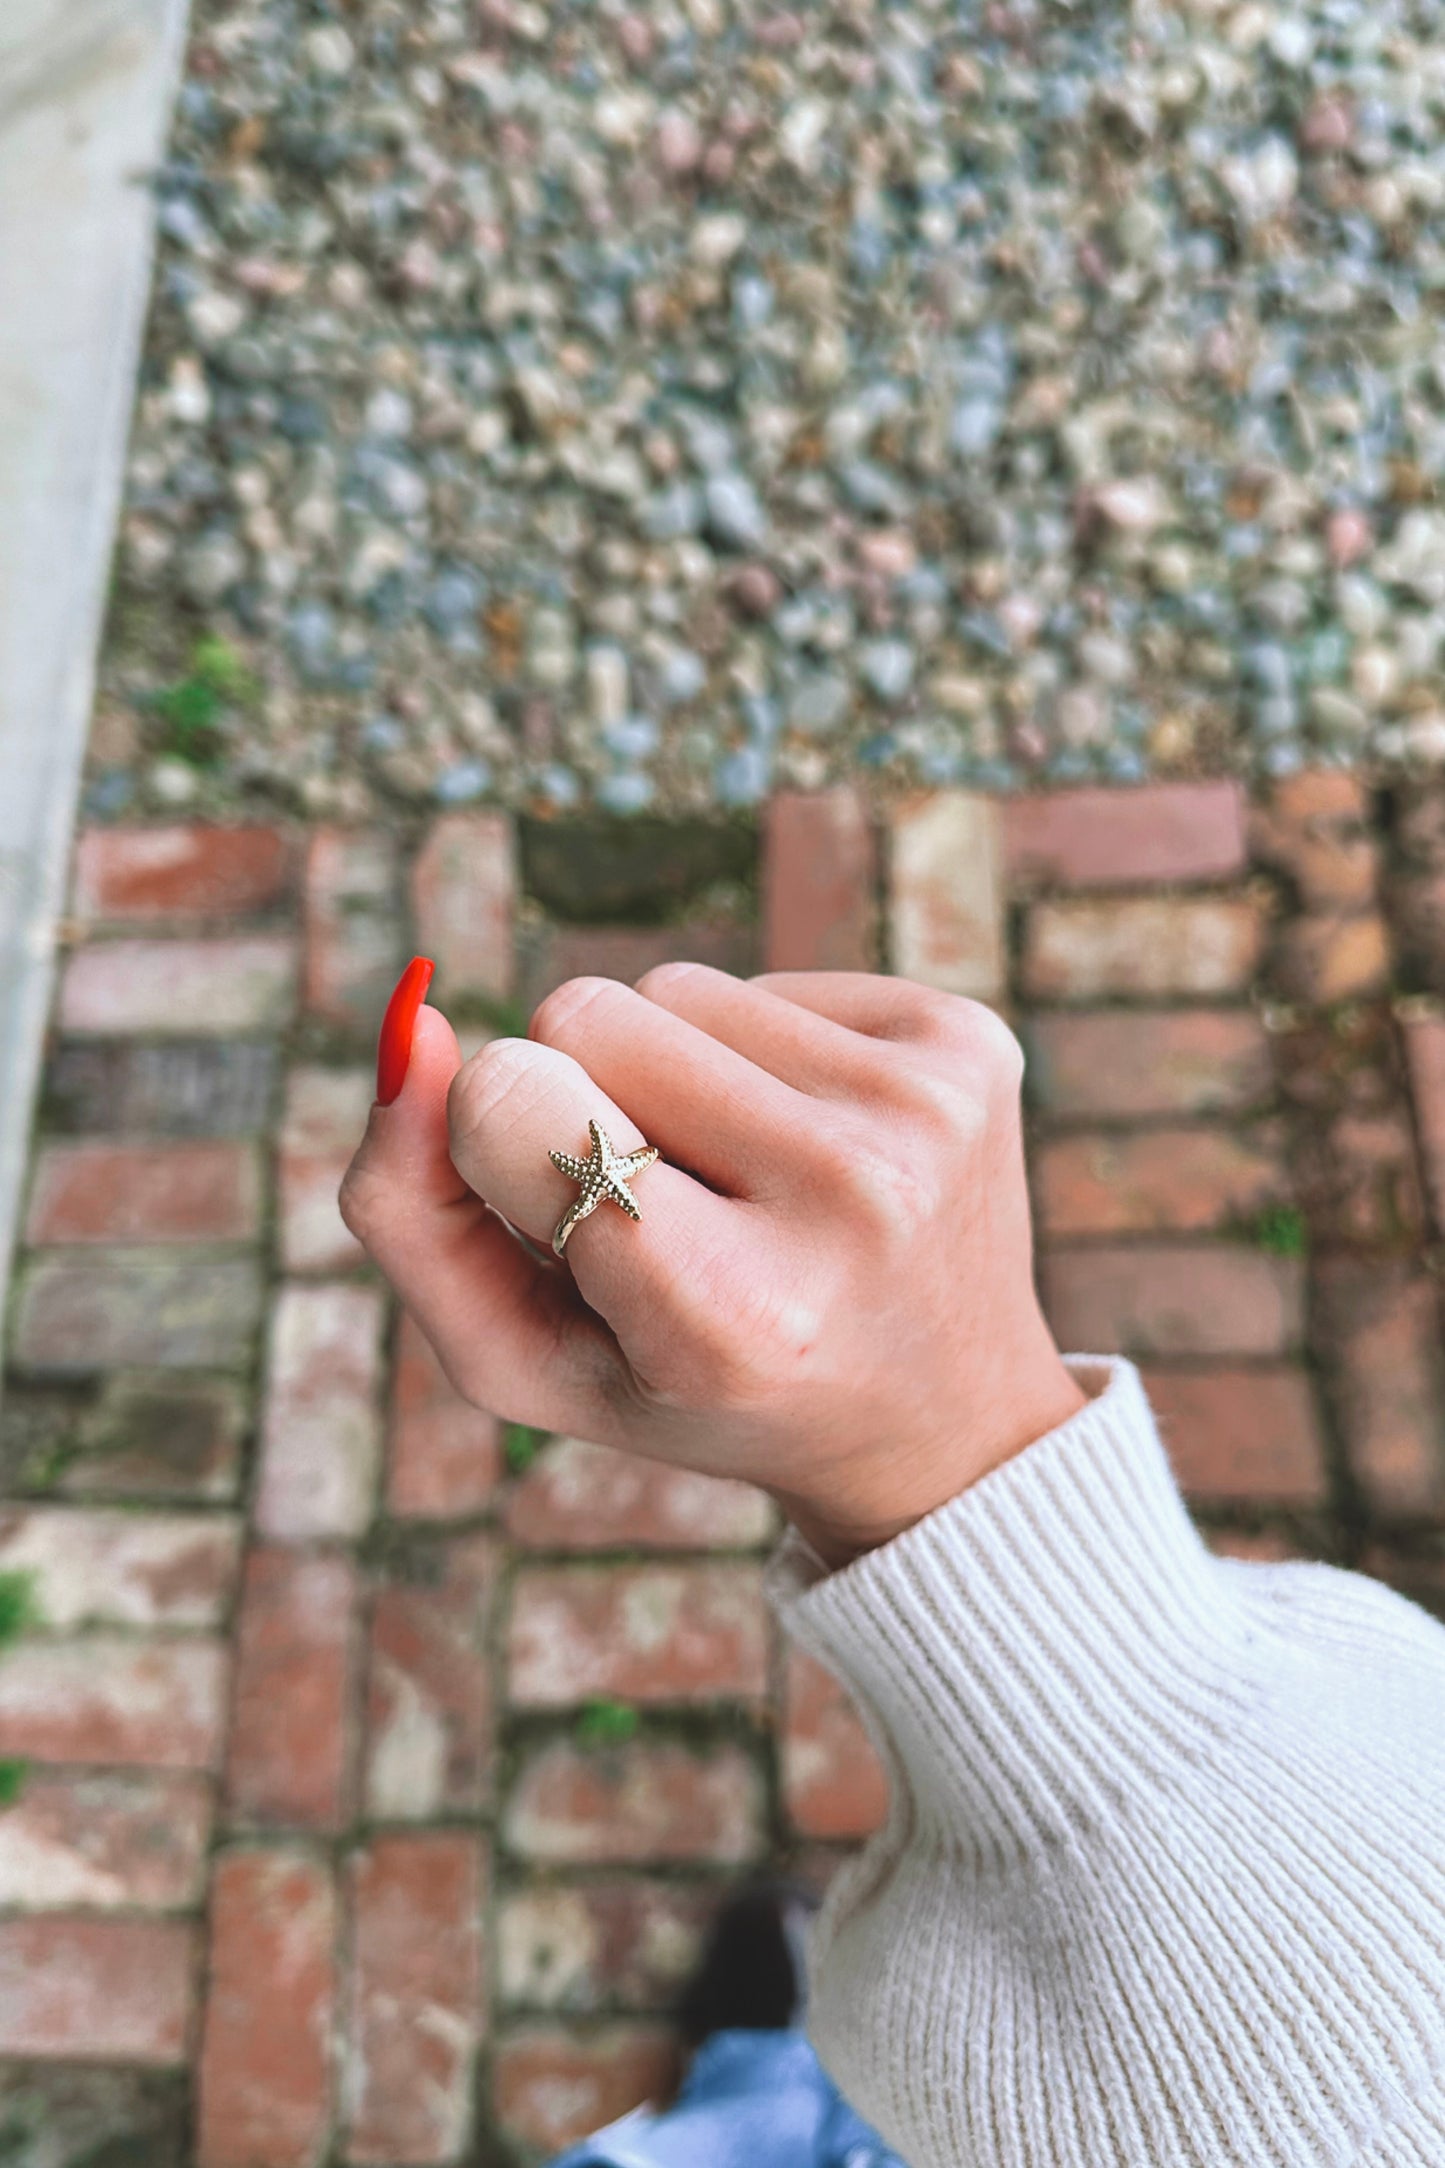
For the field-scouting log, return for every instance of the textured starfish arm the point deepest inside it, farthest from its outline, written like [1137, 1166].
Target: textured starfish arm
[623, 1197]
[575, 1169]
[636, 1161]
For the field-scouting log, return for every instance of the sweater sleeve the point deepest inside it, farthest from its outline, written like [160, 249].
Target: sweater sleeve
[1163, 1877]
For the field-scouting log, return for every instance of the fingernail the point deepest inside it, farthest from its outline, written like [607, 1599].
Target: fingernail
[398, 1028]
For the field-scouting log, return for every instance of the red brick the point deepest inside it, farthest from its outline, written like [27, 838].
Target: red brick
[1091, 838]
[1316, 828]
[103, 1841]
[149, 1435]
[1425, 1057]
[429, 1720]
[414, 2013]
[95, 1192]
[1260, 1547]
[445, 1456]
[549, 955]
[326, 1113]
[95, 1568]
[1358, 1182]
[820, 880]
[1146, 948]
[945, 894]
[1155, 1181]
[627, 1941]
[647, 1801]
[153, 874]
[833, 1782]
[79, 1313]
[1380, 1339]
[1241, 1435]
[265, 2065]
[151, 1704]
[552, 2086]
[1122, 1063]
[97, 1990]
[637, 1633]
[580, 1497]
[1330, 957]
[321, 1433]
[179, 989]
[353, 952]
[1158, 1298]
[296, 1660]
[1414, 1573]
[464, 885]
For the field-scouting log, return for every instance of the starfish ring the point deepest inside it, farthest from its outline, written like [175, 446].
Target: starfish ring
[604, 1173]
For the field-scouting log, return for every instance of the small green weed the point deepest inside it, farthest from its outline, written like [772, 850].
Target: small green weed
[194, 708]
[520, 1446]
[12, 1781]
[18, 1608]
[1280, 1229]
[607, 1723]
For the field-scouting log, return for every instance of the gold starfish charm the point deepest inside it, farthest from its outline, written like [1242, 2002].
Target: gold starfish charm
[604, 1173]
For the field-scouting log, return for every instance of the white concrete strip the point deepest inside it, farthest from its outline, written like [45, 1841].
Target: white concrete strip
[85, 95]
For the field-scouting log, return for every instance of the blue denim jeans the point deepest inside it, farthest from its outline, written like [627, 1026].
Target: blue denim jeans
[751, 2100]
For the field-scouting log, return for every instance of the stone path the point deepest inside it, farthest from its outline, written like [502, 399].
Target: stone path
[383, 1764]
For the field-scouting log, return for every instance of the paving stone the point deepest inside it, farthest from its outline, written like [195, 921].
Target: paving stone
[353, 948]
[1241, 1436]
[103, 1842]
[1156, 1181]
[834, 1784]
[68, 2115]
[1100, 838]
[102, 1698]
[321, 1432]
[1166, 1298]
[648, 1801]
[820, 882]
[945, 894]
[293, 1716]
[415, 2014]
[325, 1115]
[265, 2062]
[444, 1456]
[636, 1633]
[464, 887]
[156, 874]
[1329, 957]
[181, 1087]
[1123, 1064]
[78, 1313]
[184, 1192]
[1316, 828]
[581, 1497]
[110, 1990]
[1147, 948]
[150, 1436]
[179, 988]
[552, 2086]
[429, 1714]
[549, 955]
[98, 1568]
[626, 1942]
[1379, 1338]
[1424, 1039]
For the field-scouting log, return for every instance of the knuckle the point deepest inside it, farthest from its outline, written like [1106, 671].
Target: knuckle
[662, 979]
[557, 1015]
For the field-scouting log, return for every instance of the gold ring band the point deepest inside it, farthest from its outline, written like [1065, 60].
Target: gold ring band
[604, 1173]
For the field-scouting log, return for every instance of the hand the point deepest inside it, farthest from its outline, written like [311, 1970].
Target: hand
[830, 1289]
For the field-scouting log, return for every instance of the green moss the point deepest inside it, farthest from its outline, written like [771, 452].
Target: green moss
[607, 1723]
[520, 1446]
[1281, 1230]
[19, 1610]
[12, 1781]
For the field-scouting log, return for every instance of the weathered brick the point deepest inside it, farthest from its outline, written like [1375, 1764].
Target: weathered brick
[1425, 1057]
[1379, 1336]
[265, 2065]
[103, 1192]
[628, 1942]
[1155, 1181]
[179, 988]
[149, 1704]
[1241, 1436]
[820, 881]
[551, 2086]
[1091, 838]
[1123, 1064]
[353, 952]
[1164, 1298]
[79, 1312]
[1316, 828]
[98, 1989]
[833, 1782]
[151, 875]
[321, 1433]
[73, 2115]
[96, 1568]
[1416, 1573]
[174, 1087]
[104, 1841]
[581, 1497]
[146, 1435]
[643, 1802]
[548, 955]
[1147, 948]
[464, 886]
[1254, 1547]
[429, 1719]
[1358, 1182]
[326, 1113]
[638, 1633]
[945, 894]
[291, 1742]
[444, 1455]
[1329, 957]
[414, 2014]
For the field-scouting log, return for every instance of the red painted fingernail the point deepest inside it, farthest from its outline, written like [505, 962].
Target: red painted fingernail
[398, 1028]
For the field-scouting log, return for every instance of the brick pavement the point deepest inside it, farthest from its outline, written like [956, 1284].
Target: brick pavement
[383, 1766]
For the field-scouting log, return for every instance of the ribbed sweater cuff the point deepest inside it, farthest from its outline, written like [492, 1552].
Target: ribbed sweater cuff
[1050, 1644]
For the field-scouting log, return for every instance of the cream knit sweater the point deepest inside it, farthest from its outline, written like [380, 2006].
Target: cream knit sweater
[1163, 1882]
